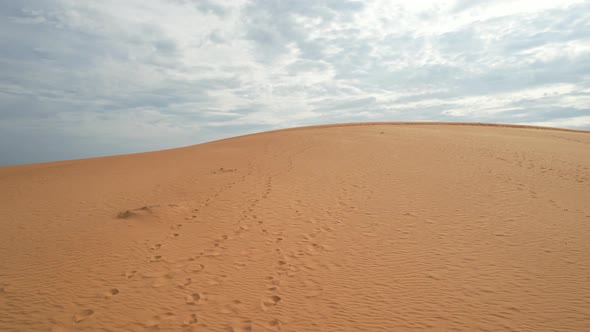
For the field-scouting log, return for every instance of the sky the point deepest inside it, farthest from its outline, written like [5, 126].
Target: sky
[92, 78]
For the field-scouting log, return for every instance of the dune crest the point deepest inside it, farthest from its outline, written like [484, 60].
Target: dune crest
[374, 227]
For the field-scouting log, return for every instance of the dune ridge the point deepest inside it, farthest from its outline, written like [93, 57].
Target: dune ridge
[418, 123]
[347, 227]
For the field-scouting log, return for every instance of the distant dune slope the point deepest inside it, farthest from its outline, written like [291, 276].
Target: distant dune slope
[365, 227]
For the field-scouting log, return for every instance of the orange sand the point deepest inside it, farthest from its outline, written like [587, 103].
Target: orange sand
[376, 227]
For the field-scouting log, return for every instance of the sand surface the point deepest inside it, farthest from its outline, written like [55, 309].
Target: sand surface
[344, 228]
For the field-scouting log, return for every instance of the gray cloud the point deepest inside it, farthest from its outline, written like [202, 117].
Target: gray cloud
[81, 79]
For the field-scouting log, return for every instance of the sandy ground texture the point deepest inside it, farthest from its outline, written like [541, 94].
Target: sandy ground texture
[382, 227]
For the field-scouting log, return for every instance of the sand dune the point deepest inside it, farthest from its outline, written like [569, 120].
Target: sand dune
[380, 227]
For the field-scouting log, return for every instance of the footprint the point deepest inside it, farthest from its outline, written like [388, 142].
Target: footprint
[190, 320]
[314, 247]
[183, 283]
[160, 282]
[196, 268]
[270, 302]
[232, 308]
[242, 326]
[212, 254]
[83, 315]
[217, 280]
[155, 259]
[130, 274]
[283, 265]
[272, 280]
[175, 235]
[274, 325]
[111, 293]
[154, 323]
[193, 298]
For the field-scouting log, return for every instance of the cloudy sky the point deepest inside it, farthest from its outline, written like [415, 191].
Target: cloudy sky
[89, 78]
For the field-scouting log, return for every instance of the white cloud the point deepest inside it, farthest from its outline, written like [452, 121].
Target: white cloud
[124, 76]
[574, 122]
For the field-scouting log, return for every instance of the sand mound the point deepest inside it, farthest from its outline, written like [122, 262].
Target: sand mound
[142, 212]
[365, 227]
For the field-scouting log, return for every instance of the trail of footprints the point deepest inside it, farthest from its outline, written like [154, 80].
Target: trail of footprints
[86, 313]
[294, 264]
[290, 265]
[194, 265]
[161, 279]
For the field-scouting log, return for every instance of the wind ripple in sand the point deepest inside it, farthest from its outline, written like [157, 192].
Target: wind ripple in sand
[375, 227]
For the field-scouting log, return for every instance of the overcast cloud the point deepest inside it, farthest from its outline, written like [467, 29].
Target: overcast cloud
[90, 78]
